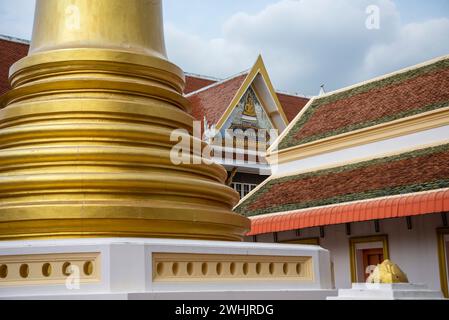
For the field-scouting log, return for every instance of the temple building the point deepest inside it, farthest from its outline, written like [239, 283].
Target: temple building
[215, 103]
[93, 203]
[244, 108]
[363, 172]
[85, 147]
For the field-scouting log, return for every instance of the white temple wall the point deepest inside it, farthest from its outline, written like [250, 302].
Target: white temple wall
[415, 251]
[367, 151]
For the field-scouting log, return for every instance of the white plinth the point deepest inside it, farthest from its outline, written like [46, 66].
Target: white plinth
[123, 269]
[363, 291]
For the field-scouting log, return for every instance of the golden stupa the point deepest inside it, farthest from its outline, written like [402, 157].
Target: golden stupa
[85, 133]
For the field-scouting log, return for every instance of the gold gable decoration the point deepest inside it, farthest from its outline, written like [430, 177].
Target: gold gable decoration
[250, 107]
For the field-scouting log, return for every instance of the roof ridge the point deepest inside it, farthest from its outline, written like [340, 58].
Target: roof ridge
[14, 39]
[200, 76]
[293, 94]
[218, 83]
[385, 76]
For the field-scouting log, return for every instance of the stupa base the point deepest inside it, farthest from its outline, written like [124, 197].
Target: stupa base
[401, 291]
[160, 269]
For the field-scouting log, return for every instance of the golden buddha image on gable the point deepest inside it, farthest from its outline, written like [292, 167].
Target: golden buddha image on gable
[250, 106]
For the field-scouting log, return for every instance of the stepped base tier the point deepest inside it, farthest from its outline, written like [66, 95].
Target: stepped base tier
[401, 291]
[86, 138]
[150, 269]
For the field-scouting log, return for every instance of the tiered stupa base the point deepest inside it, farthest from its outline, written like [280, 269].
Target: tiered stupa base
[156, 269]
[90, 150]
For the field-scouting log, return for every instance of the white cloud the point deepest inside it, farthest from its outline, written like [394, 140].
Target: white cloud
[309, 42]
[16, 18]
[415, 42]
[216, 57]
[305, 43]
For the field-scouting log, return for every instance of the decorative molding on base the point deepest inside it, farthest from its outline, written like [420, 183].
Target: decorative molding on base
[166, 269]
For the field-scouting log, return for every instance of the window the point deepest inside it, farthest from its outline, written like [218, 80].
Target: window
[366, 253]
[443, 253]
[243, 188]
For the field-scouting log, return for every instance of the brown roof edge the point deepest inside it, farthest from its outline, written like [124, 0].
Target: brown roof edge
[14, 39]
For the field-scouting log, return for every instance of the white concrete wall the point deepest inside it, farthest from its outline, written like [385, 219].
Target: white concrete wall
[415, 251]
[367, 151]
[126, 271]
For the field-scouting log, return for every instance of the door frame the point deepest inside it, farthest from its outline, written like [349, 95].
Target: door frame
[366, 254]
[442, 260]
[368, 239]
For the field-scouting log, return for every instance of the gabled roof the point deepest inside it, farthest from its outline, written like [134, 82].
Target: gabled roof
[213, 101]
[217, 101]
[258, 77]
[400, 95]
[11, 50]
[414, 171]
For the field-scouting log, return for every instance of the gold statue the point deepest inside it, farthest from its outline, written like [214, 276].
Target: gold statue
[250, 107]
[85, 133]
[388, 272]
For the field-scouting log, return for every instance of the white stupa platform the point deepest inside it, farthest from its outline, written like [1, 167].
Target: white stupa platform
[365, 291]
[155, 269]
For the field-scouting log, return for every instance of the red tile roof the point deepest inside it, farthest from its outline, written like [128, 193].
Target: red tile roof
[419, 170]
[195, 83]
[10, 52]
[376, 209]
[212, 102]
[420, 89]
[292, 105]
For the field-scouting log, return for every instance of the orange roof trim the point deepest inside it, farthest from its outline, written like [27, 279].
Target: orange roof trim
[387, 208]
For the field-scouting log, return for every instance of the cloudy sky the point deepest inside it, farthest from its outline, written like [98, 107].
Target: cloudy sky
[305, 43]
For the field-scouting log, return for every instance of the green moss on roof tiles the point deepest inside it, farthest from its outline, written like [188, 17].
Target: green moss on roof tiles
[248, 206]
[376, 87]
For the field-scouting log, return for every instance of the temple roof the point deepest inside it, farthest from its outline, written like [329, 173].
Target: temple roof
[415, 171]
[403, 94]
[212, 101]
[11, 50]
[408, 205]
[216, 101]
[292, 104]
[196, 82]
